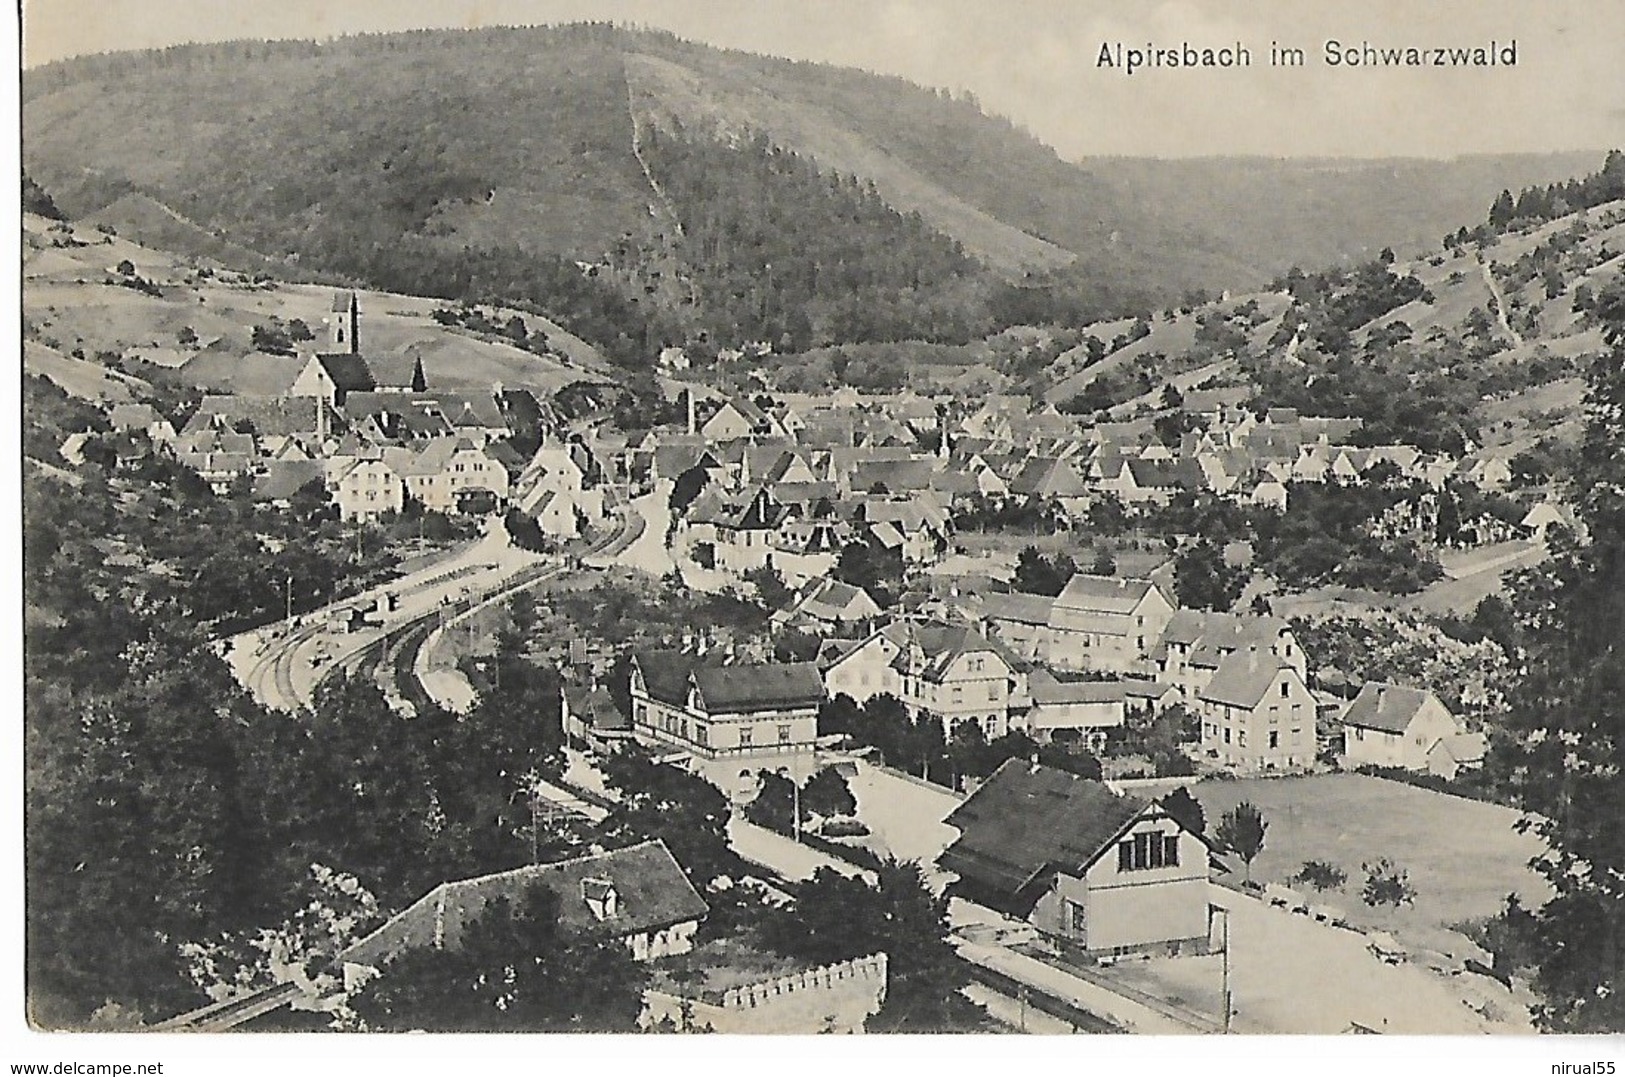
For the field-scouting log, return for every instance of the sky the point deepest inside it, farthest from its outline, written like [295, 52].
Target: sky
[1036, 61]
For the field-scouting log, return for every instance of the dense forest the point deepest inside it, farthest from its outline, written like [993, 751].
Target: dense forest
[1538, 204]
[783, 253]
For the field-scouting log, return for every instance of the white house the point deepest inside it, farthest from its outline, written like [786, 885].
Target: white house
[1111, 874]
[1391, 725]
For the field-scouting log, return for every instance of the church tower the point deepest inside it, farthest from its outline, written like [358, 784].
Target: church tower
[344, 324]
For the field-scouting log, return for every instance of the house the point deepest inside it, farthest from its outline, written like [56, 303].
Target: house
[282, 479]
[440, 472]
[144, 418]
[1020, 620]
[1108, 874]
[731, 720]
[555, 514]
[1083, 709]
[829, 604]
[1392, 725]
[591, 716]
[1257, 714]
[954, 674]
[366, 487]
[739, 418]
[863, 669]
[1107, 623]
[1196, 642]
[1456, 753]
[638, 895]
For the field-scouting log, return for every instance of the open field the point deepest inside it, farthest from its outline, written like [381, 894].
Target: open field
[72, 300]
[1462, 855]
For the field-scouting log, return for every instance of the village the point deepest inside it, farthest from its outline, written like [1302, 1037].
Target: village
[1088, 889]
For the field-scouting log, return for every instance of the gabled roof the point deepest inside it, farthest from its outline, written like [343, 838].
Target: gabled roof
[651, 889]
[744, 688]
[283, 478]
[343, 301]
[349, 373]
[597, 708]
[1028, 821]
[1243, 678]
[1385, 707]
[1046, 688]
[1084, 593]
[1018, 607]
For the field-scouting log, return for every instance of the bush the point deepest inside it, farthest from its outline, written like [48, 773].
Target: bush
[1320, 875]
[1386, 884]
[844, 828]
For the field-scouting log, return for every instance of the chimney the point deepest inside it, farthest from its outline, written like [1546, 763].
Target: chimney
[1252, 657]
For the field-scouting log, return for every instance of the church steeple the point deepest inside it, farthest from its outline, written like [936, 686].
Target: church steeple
[344, 324]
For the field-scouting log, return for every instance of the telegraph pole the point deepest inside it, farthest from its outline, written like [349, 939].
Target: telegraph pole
[1225, 953]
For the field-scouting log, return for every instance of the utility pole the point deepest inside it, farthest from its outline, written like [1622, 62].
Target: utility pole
[1225, 954]
[795, 800]
[289, 617]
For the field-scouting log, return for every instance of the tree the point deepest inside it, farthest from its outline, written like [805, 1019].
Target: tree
[828, 794]
[1104, 564]
[839, 917]
[513, 969]
[770, 587]
[126, 268]
[684, 810]
[1386, 884]
[1241, 830]
[1186, 809]
[186, 337]
[686, 488]
[1203, 581]
[299, 331]
[1567, 719]
[874, 568]
[775, 804]
[1037, 574]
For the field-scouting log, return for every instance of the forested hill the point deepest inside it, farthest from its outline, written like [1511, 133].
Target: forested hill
[710, 195]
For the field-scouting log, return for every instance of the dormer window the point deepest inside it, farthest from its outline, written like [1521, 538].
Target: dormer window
[601, 898]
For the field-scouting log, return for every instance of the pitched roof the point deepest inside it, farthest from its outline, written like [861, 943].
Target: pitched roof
[1028, 821]
[350, 373]
[1385, 707]
[343, 301]
[1243, 677]
[597, 708]
[1018, 607]
[651, 889]
[1045, 687]
[283, 478]
[759, 687]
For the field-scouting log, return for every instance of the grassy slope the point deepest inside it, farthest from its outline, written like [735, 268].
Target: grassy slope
[66, 301]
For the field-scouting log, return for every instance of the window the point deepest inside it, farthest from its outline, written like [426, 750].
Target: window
[1077, 917]
[1275, 739]
[1227, 734]
[745, 732]
[1146, 851]
[993, 690]
[784, 734]
[1286, 689]
[702, 734]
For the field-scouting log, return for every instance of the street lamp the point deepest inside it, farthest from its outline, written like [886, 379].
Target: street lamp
[289, 617]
